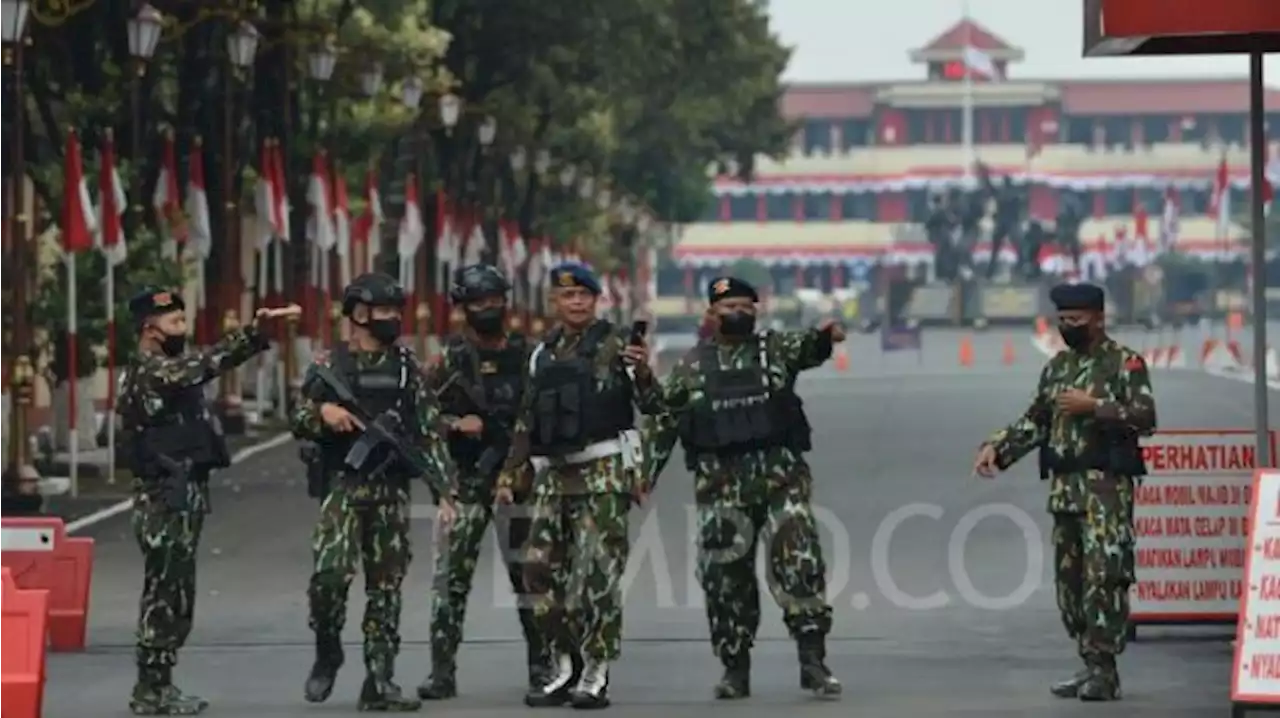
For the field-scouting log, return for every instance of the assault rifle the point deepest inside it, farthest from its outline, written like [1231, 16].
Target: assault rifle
[497, 440]
[385, 431]
[173, 487]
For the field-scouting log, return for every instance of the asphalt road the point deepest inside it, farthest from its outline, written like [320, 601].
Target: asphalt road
[894, 441]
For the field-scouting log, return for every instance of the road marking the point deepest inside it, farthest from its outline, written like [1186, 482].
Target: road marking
[119, 508]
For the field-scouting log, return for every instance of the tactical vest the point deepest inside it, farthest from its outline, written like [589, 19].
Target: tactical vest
[570, 411]
[388, 386]
[490, 384]
[741, 410]
[182, 431]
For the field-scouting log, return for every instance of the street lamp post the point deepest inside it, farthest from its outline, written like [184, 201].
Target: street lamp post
[20, 478]
[371, 80]
[242, 49]
[542, 162]
[144, 32]
[411, 93]
[450, 109]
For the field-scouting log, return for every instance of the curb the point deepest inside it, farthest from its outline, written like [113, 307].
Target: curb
[119, 508]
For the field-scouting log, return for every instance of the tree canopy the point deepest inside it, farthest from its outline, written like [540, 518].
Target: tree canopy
[632, 101]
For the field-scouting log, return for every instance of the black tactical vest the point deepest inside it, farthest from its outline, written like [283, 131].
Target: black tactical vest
[388, 386]
[184, 430]
[741, 410]
[570, 411]
[490, 384]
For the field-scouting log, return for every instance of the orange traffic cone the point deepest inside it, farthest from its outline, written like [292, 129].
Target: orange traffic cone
[966, 351]
[842, 359]
[1042, 326]
[1006, 355]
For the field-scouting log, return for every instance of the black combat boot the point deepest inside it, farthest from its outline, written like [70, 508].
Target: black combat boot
[441, 685]
[380, 694]
[736, 682]
[1103, 683]
[592, 691]
[539, 663]
[814, 674]
[1070, 688]
[554, 692]
[155, 695]
[325, 669]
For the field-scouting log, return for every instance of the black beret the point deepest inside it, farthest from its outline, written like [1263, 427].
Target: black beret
[154, 301]
[729, 287]
[1089, 297]
[573, 274]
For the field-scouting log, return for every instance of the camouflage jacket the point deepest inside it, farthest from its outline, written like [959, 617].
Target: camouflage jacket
[308, 426]
[752, 477]
[447, 379]
[607, 475]
[149, 381]
[1113, 373]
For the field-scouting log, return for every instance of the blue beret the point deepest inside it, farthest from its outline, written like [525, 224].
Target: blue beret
[1088, 297]
[572, 274]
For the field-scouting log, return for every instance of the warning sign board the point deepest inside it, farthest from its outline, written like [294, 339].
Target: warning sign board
[1191, 524]
[1255, 676]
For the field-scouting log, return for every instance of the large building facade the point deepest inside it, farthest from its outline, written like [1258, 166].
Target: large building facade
[867, 157]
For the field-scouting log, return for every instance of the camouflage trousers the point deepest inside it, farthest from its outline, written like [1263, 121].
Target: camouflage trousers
[353, 533]
[169, 541]
[1094, 567]
[726, 568]
[575, 558]
[456, 569]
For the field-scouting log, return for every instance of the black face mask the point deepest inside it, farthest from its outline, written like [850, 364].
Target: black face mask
[1075, 336]
[488, 321]
[737, 324]
[384, 331]
[173, 344]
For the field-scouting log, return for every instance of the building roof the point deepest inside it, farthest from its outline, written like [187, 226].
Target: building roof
[1078, 97]
[966, 32]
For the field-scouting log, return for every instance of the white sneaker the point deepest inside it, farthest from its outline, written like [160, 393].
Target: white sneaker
[563, 674]
[594, 680]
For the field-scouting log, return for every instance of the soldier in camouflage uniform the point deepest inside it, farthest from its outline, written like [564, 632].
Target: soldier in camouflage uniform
[172, 443]
[364, 520]
[731, 402]
[1092, 403]
[480, 382]
[577, 427]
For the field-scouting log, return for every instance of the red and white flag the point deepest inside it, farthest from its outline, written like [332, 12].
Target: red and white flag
[342, 227]
[979, 64]
[447, 241]
[167, 200]
[264, 205]
[320, 224]
[476, 242]
[279, 190]
[1220, 201]
[368, 224]
[1169, 220]
[411, 234]
[78, 229]
[535, 270]
[199, 232]
[112, 204]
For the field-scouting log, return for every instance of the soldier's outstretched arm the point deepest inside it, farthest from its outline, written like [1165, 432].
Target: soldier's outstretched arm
[1136, 410]
[1029, 430]
[804, 349]
[165, 373]
[432, 442]
[662, 430]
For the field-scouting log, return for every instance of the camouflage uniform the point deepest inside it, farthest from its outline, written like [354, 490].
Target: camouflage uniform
[367, 524]
[1093, 535]
[460, 552]
[578, 543]
[169, 536]
[761, 493]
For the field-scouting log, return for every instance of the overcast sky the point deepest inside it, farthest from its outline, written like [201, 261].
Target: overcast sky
[838, 40]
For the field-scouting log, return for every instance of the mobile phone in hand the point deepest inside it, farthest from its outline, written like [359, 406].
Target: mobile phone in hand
[639, 329]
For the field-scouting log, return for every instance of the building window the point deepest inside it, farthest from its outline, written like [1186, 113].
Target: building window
[1118, 131]
[1233, 129]
[918, 128]
[817, 136]
[1018, 125]
[711, 213]
[742, 208]
[858, 206]
[1119, 201]
[918, 205]
[856, 133]
[1080, 130]
[817, 206]
[780, 207]
[1155, 128]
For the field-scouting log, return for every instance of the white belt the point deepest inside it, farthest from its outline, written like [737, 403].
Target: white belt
[599, 450]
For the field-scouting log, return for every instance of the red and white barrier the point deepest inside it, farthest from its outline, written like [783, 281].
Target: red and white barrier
[1220, 355]
[1170, 357]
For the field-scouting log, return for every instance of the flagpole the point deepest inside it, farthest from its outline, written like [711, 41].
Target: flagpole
[111, 370]
[1258, 253]
[72, 361]
[966, 127]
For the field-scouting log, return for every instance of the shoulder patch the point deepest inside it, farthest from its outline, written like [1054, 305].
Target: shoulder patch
[1135, 363]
